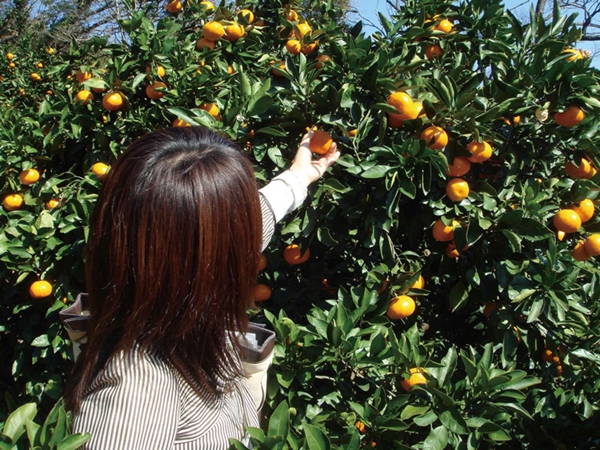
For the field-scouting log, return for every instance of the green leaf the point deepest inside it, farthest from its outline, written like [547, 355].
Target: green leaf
[315, 438]
[73, 441]
[375, 172]
[259, 106]
[453, 421]
[279, 422]
[16, 422]
[437, 439]
[273, 131]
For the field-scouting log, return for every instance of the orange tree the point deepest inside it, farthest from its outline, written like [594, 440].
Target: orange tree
[464, 132]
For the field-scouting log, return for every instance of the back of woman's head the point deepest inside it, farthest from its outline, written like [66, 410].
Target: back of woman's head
[172, 255]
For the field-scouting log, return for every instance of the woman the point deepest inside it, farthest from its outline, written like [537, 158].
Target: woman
[171, 263]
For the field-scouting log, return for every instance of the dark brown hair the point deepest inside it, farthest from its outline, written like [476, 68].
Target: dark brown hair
[172, 257]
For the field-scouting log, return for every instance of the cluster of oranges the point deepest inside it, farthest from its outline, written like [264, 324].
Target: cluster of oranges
[213, 31]
[551, 357]
[403, 306]
[15, 200]
[300, 39]
[407, 108]
[443, 26]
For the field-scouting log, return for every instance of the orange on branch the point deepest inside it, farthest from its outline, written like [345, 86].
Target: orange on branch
[309, 48]
[100, 170]
[401, 307]
[457, 189]
[442, 232]
[234, 32]
[416, 377]
[292, 255]
[592, 245]
[208, 6]
[480, 151]
[435, 137]
[261, 292]
[83, 76]
[584, 209]
[579, 253]
[153, 93]
[434, 51]
[12, 202]
[174, 7]
[320, 142]
[52, 203]
[112, 101]
[567, 221]
[40, 289]
[212, 109]
[213, 31]
[35, 76]
[585, 170]
[459, 167]
[29, 176]
[322, 59]
[262, 262]
[203, 43]
[571, 117]
[246, 14]
[400, 101]
[444, 26]
[84, 96]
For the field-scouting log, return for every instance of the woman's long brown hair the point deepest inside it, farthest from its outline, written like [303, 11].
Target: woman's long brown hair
[172, 258]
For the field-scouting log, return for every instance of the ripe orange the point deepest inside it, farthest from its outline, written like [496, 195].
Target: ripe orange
[35, 76]
[213, 31]
[212, 109]
[584, 209]
[444, 26]
[246, 14]
[160, 71]
[302, 29]
[459, 167]
[480, 151]
[180, 123]
[83, 76]
[151, 90]
[321, 142]
[174, 7]
[442, 232]
[52, 203]
[401, 307]
[203, 43]
[579, 253]
[100, 170]
[309, 48]
[585, 169]
[571, 117]
[262, 262]
[40, 65]
[434, 51]
[292, 255]
[112, 101]
[416, 377]
[400, 101]
[567, 221]
[12, 202]
[262, 292]
[360, 427]
[280, 65]
[50, 50]
[547, 355]
[435, 137]
[40, 289]
[452, 251]
[29, 176]
[352, 132]
[574, 54]
[395, 120]
[208, 6]
[293, 46]
[9, 56]
[457, 189]
[234, 31]
[84, 96]
[592, 245]
[419, 284]
[291, 15]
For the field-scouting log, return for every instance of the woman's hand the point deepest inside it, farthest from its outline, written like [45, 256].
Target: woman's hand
[309, 169]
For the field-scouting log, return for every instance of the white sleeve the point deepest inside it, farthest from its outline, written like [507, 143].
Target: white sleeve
[282, 195]
[133, 405]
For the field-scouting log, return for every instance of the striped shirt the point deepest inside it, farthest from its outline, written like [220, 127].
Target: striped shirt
[140, 402]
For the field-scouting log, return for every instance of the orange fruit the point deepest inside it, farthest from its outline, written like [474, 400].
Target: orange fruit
[40, 65]
[452, 251]
[567, 221]
[592, 245]
[360, 427]
[416, 377]
[574, 54]
[459, 167]
[395, 120]
[100, 170]
[12, 202]
[40, 289]
[208, 6]
[83, 76]
[585, 169]
[489, 309]
[234, 31]
[50, 50]
[442, 232]
[419, 284]
[246, 14]
[261, 292]
[292, 255]
[584, 209]
[262, 262]
[160, 71]
[29, 176]
[293, 46]
[302, 29]
[547, 355]
[52, 203]
[180, 123]
[321, 142]
[309, 48]
[401, 307]
[9, 56]
[291, 15]
[434, 51]
[35, 76]
[174, 7]
[281, 66]
[571, 117]
[12, 65]
[457, 189]
[435, 137]
[151, 90]
[112, 101]
[213, 31]
[444, 26]
[579, 253]
[84, 96]
[400, 101]
[480, 151]
[212, 109]
[352, 132]
[203, 43]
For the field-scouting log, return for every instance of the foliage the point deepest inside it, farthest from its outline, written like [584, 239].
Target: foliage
[484, 318]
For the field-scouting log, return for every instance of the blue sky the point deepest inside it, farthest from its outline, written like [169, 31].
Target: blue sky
[369, 9]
